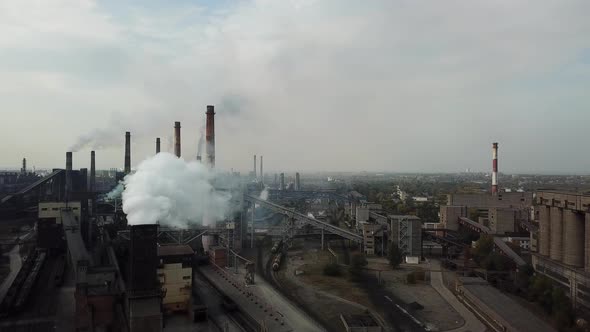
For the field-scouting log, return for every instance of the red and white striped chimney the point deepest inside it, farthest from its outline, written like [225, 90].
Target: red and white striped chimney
[495, 169]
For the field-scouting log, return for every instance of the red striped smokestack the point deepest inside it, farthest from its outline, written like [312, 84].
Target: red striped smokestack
[127, 153]
[177, 138]
[210, 136]
[495, 169]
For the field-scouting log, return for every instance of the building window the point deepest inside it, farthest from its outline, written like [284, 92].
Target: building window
[54, 209]
[186, 278]
[43, 209]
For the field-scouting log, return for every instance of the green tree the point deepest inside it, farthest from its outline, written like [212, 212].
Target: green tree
[561, 308]
[357, 262]
[541, 291]
[483, 248]
[395, 256]
[524, 277]
[332, 270]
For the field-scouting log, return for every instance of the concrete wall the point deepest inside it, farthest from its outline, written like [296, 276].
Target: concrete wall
[450, 214]
[176, 282]
[502, 220]
[53, 210]
[503, 199]
[362, 214]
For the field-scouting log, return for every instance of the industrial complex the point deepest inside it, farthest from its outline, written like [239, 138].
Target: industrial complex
[233, 273]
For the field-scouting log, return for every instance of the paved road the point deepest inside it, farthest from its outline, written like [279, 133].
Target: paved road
[15, 265]
[472, 324]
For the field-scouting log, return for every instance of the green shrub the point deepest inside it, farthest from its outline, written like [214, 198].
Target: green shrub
[332, 270]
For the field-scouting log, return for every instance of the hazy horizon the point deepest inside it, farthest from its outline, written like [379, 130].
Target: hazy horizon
[380, 86]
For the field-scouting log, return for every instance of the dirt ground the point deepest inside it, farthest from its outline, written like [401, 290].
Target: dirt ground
[331, 296]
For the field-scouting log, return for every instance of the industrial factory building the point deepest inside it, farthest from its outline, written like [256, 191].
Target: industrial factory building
[501, 212]
[564, 243]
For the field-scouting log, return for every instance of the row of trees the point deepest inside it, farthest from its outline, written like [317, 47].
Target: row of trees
[551, 298]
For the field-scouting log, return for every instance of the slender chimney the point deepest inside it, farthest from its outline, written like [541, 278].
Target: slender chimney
[68, 175]
[177, 138]
[210, 136]
[254, 167]
[92, 186]
[297, 181]
[495, 169]
[261, 169]
[157, 145]
[127, 169]
[24, 169]
[282, 185]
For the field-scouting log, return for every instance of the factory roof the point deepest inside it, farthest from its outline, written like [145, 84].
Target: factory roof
[174, 250]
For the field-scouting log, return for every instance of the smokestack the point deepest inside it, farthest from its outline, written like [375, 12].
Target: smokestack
[177, 138]
[495, 169]
[143, 258]
[282, 185]
[254, 167]
[92, 171]
[68, 175]
[261, 169]
[297, 182]
[210, 136]
[199, 158]
[84, 175]
[157, 145]
[127, 153]
[24, 169]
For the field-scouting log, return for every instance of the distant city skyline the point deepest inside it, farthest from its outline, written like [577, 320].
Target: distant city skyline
[381, 86]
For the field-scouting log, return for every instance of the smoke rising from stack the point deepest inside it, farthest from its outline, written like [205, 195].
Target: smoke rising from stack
[200, 146]
[173, 192]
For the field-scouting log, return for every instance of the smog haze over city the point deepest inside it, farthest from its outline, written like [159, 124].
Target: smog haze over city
[408, 86]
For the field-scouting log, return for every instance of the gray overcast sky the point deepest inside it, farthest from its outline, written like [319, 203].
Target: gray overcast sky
[312, 85]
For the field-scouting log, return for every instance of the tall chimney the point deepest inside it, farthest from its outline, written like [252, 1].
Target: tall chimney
[210, 136]
[157, 145]
[68, 175]
[177, 138]
[282, 185]
[24, 169]
[495, 169]
[297, 181]
[261, 169]
[254, 167]
[127, 153]
[92, 186]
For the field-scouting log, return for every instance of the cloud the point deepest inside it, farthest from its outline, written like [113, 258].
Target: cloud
[312, 85]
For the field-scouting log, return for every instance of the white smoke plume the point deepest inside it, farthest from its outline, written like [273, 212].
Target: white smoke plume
[172, 192]
[200, 145]
[116, 192]
[264, 194]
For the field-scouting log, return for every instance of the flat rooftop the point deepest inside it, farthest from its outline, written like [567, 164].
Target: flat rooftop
[175, 250]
